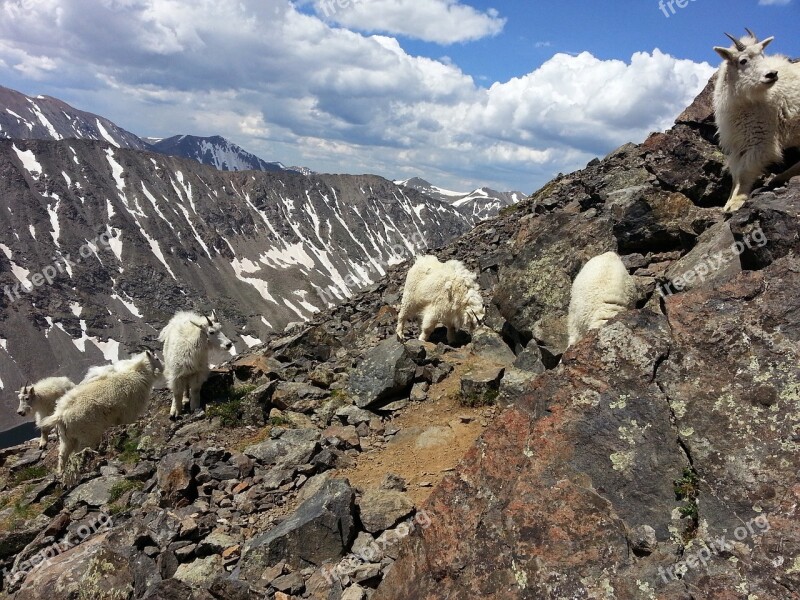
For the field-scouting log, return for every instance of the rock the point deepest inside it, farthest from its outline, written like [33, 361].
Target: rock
[354, 415]
[481, 384]
[354, 592]
[393, 406]
[169, 589]
[89, 570]
[321, 529]
[200, 572]
[380, 509]
[295, 447]
[175, 476]
[489, 346]
[530, 359]
[514, 383]
[711, 261]
[290, 584]
[643, 540]
[96, 492]
[386, 370]
[393, 482]
[299, 397]
[419, 392]
[346, 434]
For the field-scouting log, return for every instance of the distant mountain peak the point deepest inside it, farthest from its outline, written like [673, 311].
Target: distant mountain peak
[482, 203]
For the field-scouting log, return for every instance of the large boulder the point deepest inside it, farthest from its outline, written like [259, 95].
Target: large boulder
[320, 530]
[385, 372]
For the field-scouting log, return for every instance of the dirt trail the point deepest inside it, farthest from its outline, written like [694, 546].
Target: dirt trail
[433, 437]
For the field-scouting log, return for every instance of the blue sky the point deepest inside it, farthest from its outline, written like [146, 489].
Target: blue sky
[462, 93]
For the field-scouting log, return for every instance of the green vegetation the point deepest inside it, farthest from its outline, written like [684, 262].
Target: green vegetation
[229, 412]
[280, 421]
[120, 488]
[475, 400]
[687, 490]
[29, 473]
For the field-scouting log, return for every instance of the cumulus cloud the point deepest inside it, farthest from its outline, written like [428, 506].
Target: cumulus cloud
[291, 87]
[439, 21]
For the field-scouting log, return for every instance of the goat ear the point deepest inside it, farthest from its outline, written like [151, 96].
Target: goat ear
[214, 315]
[766, 42]
[30, 391]
[725, 53]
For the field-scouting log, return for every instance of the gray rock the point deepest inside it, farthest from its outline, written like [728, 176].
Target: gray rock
[480, 385]
[295, 447]
[380, 509]
[175, 476]
[419, 393]
[321, 529]
[515, 382]
[387, 370]
[490, 346]
[200, 572]
[354, 415]
[530, 359]
[96, 492]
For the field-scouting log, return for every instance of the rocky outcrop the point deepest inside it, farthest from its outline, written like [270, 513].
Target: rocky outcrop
[656, 458]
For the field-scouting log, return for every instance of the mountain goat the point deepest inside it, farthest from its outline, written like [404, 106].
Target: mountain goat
[84, 413]
[446, 293]
[41, 399]
[757, 110]
[601, 290]
[187, 339]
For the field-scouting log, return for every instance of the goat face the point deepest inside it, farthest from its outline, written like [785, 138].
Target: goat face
[748, 69]
[26, 395]
[215, 334]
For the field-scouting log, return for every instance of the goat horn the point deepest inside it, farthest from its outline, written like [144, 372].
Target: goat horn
[210, 324]
[739, 45]
[751, 34]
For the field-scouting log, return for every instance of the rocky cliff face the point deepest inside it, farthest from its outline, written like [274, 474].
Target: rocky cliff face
[100, 246]
[656, 458]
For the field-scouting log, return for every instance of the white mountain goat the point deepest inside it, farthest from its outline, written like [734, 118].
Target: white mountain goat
[187, 339]
[84, 413]
[446, 293]
[757, 110]
[601, 290]
[102, 371]
[41, 399]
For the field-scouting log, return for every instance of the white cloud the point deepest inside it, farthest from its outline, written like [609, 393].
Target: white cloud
[289, 87]
[440, 21]
[774, 2]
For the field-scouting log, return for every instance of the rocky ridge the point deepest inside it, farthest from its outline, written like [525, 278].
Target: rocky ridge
[656, 458]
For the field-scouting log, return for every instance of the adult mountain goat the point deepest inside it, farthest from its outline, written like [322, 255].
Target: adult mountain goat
[84, 413]
[601, 290]
[757, 110]
[41, 398]
[446, 293]
[187, 339]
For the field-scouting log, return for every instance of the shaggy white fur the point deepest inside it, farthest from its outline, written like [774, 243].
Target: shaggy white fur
[446, 293]
[757, 110]
[41, 398]
[601, 290]
[84, 413]
[187, 339]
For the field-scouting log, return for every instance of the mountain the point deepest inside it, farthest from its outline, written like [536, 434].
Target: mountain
[46, 118]
[655, 458]
[215, 151]
[128, 237]
[480, 204]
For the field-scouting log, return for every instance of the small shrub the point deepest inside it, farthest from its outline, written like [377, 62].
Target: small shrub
[120, 488]
[29, 473]
[687, 490]
[230, 411]
[279, 421]
[475, 400]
